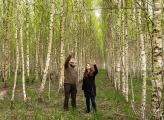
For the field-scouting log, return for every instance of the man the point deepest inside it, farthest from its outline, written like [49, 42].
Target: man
[70, 77]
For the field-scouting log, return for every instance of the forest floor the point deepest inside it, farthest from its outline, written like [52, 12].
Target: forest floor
[110, 104]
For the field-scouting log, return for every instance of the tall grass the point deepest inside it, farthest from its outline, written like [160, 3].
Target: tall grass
[111, 105]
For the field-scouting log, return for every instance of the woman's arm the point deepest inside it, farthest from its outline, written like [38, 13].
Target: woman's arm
[95, 67]
[96, 70]
[83, 85]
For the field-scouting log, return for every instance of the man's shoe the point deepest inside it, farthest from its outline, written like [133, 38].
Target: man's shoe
[88, 111]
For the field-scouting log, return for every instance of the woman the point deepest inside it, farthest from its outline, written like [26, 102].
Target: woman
[88, 86]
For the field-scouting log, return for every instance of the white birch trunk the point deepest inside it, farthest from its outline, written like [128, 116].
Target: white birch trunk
[76, 34]
[48, 54]
[117, 53]
[156, 100]
[22, 57]
[81, 69]
[17, 52]
[37, 54]
[141, 26]
[3, 46]
[126, 56]
[123, 53]
[49, 87]
[6, 60]
[27, 47]
[3, 62]
[62, 58]
[132, 90]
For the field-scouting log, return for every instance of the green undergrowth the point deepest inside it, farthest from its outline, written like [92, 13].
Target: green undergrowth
[111, 105]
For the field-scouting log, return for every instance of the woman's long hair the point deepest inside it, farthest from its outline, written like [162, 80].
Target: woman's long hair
[91, 72]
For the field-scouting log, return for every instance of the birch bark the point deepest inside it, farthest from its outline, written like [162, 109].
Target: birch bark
[62, 58]
[117, 52]
[126, 54]
[17, 52]
[27, 46]
[156, 100]
[143, 61]
[6, 60]
[49, 52]
[22, 56]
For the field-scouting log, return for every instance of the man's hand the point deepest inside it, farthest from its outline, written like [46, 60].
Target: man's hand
[71, 53]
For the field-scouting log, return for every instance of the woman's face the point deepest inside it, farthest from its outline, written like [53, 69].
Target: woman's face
[88, 67]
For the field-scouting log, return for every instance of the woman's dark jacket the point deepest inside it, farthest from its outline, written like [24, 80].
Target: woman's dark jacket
[89, 86]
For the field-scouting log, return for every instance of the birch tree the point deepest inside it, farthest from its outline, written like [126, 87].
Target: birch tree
[37, 38]
[123, 50]
[126, 53]
[76, 27]
[143, 60]
[17, 52]
[22, 56]
[2, 62]
[156, 98]
[6, 60]
[49, 52]
[62, 58]
[27, 46]
[117, 50]
[124, 35]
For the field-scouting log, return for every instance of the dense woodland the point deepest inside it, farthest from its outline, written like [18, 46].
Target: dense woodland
[125, 37]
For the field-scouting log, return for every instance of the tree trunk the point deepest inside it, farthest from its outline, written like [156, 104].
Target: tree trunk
[37, 51]
[3, 61]
[48, 54]
[143, 61]
[22, 57]
[17, 52]
[123, 51]
[117, 52]
[27, 46]
[126, 54]
[156, 99]
[6, 60]
[62, 58]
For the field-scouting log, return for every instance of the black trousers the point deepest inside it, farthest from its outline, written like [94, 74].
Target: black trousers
[88, 103]
[70, 89]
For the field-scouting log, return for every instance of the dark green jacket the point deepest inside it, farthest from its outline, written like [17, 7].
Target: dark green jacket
[70, 73]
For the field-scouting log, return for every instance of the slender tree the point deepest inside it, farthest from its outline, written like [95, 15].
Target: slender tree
[6, 60]
[126, 53]
[37, 39]
[123, 50]
[22, 55]
[3, 43]
[117, 50]
[27, 46]
[17, 51]
[62, 58]
[49, 52]
[156, 98]
[143, 59]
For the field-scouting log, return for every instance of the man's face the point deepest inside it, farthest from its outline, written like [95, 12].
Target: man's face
[72, 61]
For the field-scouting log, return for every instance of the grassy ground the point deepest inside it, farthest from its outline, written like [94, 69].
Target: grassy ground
[110, 104]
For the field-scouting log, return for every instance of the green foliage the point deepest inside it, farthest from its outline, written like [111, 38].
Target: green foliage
[110, 104]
